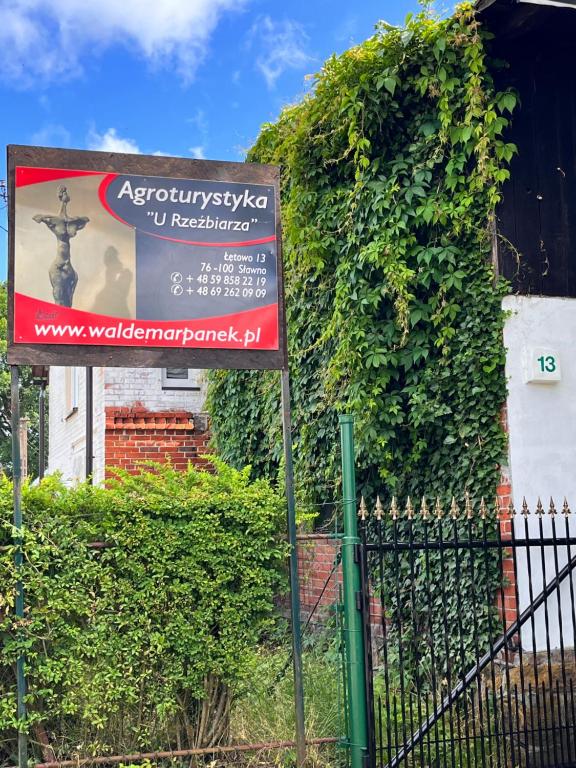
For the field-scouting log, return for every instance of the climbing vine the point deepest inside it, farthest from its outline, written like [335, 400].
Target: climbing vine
[391, 170]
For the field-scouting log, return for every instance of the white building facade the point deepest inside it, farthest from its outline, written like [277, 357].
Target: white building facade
[132, 390]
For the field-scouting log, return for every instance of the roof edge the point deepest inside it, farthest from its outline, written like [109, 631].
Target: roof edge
[481, 5]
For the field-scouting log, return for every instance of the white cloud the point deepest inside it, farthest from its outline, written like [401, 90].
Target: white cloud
[111, 142]
[197, 152]
[44, 40]
[199, 120]
[51, 135]
[347, 29]
[281, 45]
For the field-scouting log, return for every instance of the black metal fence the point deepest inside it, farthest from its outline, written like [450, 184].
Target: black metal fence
[472, 658]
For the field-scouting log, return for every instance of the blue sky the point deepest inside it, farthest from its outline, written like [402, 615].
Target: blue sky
[191, 78]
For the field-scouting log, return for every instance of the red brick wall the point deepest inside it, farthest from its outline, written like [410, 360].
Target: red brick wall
[315, 561]
[135, 435]
[316, 556]
[506, 599]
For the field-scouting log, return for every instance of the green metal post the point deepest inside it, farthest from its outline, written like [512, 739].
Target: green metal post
[18, 559]
[354, 637]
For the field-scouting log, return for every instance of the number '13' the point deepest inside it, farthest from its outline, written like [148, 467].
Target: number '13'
[547, 364]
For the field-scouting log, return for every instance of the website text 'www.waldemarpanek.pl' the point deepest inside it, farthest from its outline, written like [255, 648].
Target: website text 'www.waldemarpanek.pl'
[122, 331]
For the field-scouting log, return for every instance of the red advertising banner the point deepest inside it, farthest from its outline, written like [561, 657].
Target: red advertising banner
[145, 253]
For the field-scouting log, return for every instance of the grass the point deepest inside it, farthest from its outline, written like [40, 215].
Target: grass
[265, 710]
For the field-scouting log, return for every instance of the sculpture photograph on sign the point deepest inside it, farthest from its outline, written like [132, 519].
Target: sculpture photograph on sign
[71, 252]
[63, 276]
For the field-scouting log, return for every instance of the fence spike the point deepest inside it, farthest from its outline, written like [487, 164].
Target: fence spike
[438, 509]
[468, 508]
[497, 507]
[525, 510]
[483, 509]
[424, 509]
[362, 513]
[378, 510]
[409, 508]
[454, 509]
[394, 508]
[511, 509]
[552, 509]
[565, 508]
[539, 508]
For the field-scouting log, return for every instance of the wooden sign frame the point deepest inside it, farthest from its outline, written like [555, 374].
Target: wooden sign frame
[144, 356]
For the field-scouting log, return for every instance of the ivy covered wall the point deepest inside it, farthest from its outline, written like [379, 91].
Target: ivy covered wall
[391, 168]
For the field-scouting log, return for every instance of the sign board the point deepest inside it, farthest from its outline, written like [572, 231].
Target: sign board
[135, 260]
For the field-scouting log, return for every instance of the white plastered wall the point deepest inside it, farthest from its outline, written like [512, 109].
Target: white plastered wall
[113, 387]
[542, 448]
[67, 429]
[143, 386]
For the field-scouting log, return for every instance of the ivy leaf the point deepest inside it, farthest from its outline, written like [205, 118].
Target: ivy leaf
[390, 84]
[439, 46]
[507, 101]
[407, 36]
[428, 128]
[427, 213]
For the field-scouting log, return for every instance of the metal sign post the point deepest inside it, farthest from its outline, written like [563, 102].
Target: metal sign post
[294, 580]
[89, 424]
[18, 560]
[42, 431]
[40, 379]
[23, 437]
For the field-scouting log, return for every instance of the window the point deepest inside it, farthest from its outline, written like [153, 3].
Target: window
[72, 389]
[181, 378]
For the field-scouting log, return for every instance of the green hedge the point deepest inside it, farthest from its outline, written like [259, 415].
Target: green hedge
[123, 643]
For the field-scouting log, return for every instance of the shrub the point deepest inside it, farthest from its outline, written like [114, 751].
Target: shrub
[143, 642]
